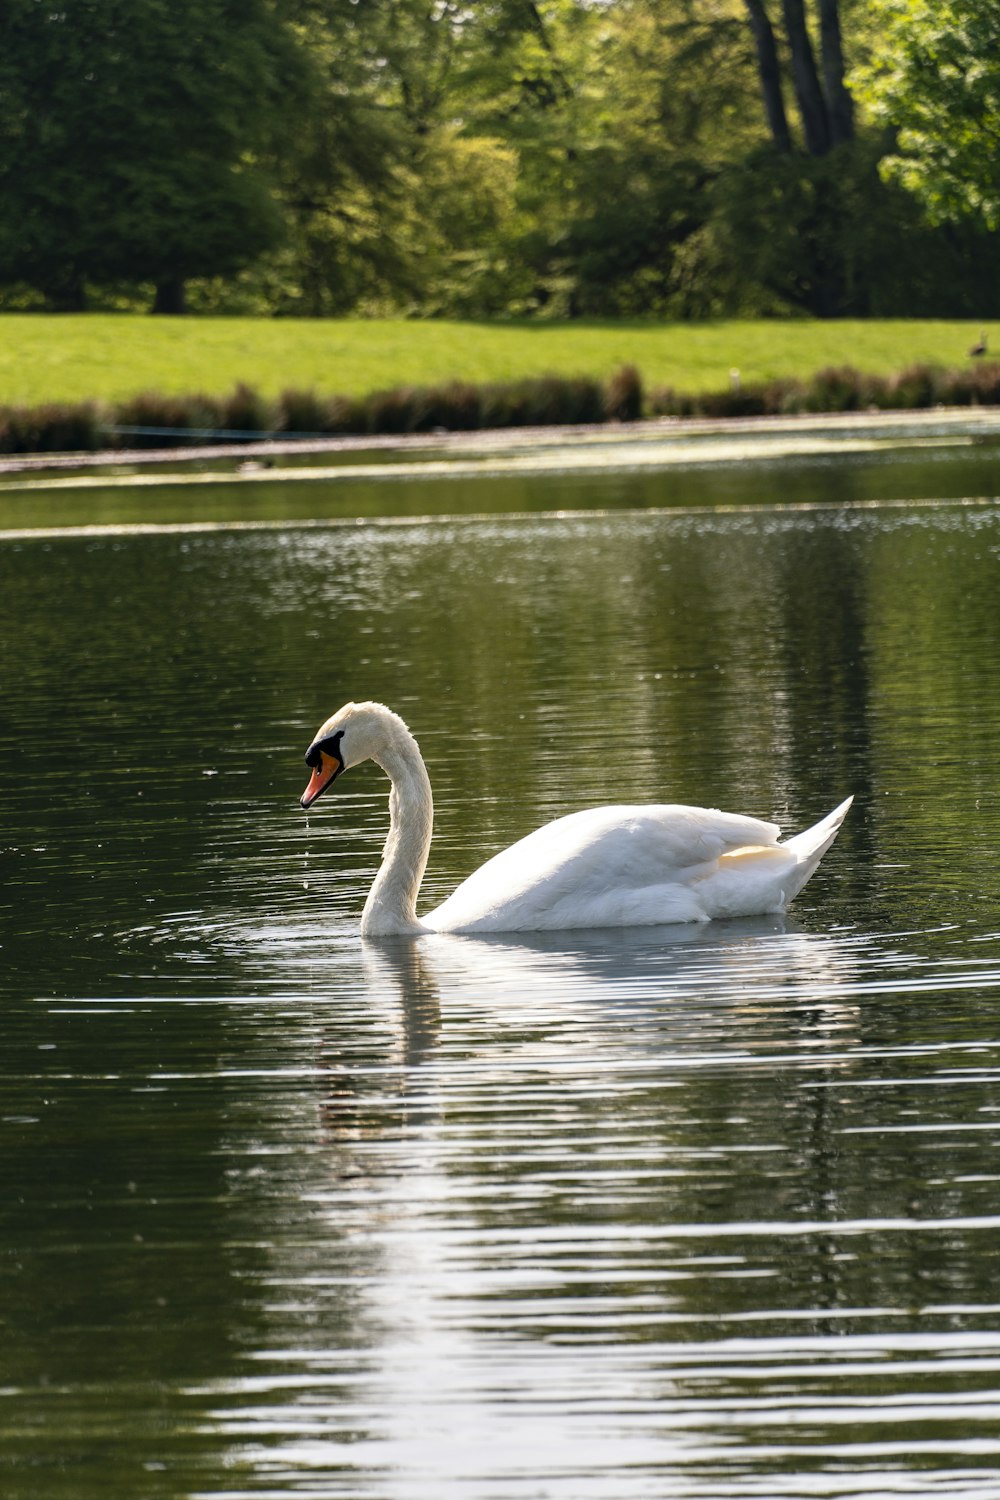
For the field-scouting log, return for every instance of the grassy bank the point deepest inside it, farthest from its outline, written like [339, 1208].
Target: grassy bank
[155, 420]
[109, 358]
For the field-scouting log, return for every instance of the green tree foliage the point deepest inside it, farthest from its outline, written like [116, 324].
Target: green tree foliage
[393, 200]
[657, 96]
[810, 222]
[683, 158]
[828, 236]
[130, 141]
[935, 82]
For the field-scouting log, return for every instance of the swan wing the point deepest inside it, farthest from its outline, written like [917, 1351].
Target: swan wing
[605, 867]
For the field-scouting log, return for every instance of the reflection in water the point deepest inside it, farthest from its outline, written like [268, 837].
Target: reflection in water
[612, 1218]
[706, 1212]
[401, 962]
[401, 988]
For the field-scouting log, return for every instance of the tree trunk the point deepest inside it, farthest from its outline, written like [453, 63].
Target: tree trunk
[769, 73]
[170, 296]
[68, 294]
[812, 105]
[839, 102]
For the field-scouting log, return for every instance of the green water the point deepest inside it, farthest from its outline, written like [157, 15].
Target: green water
[803, 462]
[704, 1212]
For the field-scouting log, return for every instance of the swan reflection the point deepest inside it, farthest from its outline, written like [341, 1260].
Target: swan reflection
[673, 986]
[400, 965]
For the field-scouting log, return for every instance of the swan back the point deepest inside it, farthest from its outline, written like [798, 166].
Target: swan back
[607, 866]
[636, 866]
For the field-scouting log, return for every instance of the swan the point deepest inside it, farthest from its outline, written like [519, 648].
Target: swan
[604, 867]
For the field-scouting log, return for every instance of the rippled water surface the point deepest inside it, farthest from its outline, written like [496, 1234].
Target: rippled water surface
[701, 1212]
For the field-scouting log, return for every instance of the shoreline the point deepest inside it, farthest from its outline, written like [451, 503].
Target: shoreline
[917, 426]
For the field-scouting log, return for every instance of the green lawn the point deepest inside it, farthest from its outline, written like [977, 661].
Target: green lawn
[107, 356]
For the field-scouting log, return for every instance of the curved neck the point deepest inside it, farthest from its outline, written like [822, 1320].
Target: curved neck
[391, 904]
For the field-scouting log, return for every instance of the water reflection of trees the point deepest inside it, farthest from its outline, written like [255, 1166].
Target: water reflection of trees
[706, 1092]
[765, 662]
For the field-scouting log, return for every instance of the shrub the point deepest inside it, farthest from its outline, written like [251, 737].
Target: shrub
[548, 400]
[393, 411]
[499, 404]
[841, 388]
[986, 384]
[247, 411]
[738, 401]
[575, 400]
[455, 407]
[768, 398]
[623, 395]
[664, 401]
[978, 386]
[914, 388]
[52, 429]
[153, 421]
[305, 414]
[346, 416]
[300, 412]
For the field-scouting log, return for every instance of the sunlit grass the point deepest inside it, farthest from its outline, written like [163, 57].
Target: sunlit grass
[109, 357]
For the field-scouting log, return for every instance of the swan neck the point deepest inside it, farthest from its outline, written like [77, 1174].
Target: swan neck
[392, 900]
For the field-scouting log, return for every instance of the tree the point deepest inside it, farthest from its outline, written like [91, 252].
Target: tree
[824, 103]
[396, 197]
[621, 116]
[131, 141]
[935, 82]
[769, 69]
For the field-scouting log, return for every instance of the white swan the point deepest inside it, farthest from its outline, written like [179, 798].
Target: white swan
[606, 867]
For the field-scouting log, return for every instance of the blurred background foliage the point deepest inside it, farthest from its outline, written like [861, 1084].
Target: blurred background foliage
[505, 158]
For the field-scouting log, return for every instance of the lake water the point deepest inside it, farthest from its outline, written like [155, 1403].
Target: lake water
[679, 1212]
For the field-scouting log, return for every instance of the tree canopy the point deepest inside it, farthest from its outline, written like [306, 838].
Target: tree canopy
[130, 140]
[936, 84]
[601, 158]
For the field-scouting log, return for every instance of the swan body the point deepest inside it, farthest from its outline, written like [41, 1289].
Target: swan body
[613, 866]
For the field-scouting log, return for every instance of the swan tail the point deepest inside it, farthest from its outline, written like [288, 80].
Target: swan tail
[810, 846]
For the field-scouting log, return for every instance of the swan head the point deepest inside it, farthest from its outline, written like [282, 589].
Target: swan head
[356, 732]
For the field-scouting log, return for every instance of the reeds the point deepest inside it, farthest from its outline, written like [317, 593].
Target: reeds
[623, 395]
[51, 429]
[838, 389]
[154, 420]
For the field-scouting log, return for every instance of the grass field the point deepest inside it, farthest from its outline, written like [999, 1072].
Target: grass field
[108, 357]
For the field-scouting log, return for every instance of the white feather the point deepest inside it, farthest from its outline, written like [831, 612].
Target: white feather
[606, 867]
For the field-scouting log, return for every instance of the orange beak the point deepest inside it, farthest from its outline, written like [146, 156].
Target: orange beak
[329, 768]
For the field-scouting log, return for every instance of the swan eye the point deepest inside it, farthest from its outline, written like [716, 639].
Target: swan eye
[329, 746]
